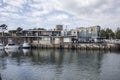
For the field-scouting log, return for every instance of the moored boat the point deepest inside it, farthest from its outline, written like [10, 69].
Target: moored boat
[26, 45]
[11, 45]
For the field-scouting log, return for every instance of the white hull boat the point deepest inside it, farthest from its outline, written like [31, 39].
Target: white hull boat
[11, 45]
[26, 45]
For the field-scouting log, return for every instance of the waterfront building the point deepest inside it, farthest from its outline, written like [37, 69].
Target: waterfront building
[43, 36]
[65, 33]
[63, 39]
[87, 34]
[39, 35]
[13, 33]
[58, 35]
[5, 34]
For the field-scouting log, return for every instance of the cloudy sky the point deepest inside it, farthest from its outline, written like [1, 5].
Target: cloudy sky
[48, 13]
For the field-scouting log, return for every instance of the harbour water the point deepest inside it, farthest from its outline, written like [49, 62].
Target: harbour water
[50, 64]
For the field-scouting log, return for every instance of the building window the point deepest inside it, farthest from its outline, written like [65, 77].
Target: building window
[91, 29]
[87, 31]
[74, 32]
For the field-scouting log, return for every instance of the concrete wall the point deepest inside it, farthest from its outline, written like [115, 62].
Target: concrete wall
[66, 40]
[57, 41]
[42, 42]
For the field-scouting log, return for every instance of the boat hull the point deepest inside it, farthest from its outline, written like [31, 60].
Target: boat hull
[26, 46]
[11, 47]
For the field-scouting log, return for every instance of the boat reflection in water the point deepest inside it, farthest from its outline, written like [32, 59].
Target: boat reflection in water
[1, 46]
[11, 51]
[26, 51]
[1, 52]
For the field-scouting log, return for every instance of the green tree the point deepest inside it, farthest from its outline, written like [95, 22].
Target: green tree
[109, 33]
[3, 27]
[19, 30]
[117, 33]
[103, 33]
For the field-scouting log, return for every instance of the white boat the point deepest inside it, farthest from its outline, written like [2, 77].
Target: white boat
[1, 46]
[26, 45]
[11, 45]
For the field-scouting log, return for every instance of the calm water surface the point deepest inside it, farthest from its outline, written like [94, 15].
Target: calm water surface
[59, 65]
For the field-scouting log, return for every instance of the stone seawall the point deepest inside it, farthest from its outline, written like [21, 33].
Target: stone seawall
[82, 46]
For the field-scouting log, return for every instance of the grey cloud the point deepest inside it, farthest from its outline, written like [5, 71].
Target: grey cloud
[111, 5]
[84, 12]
